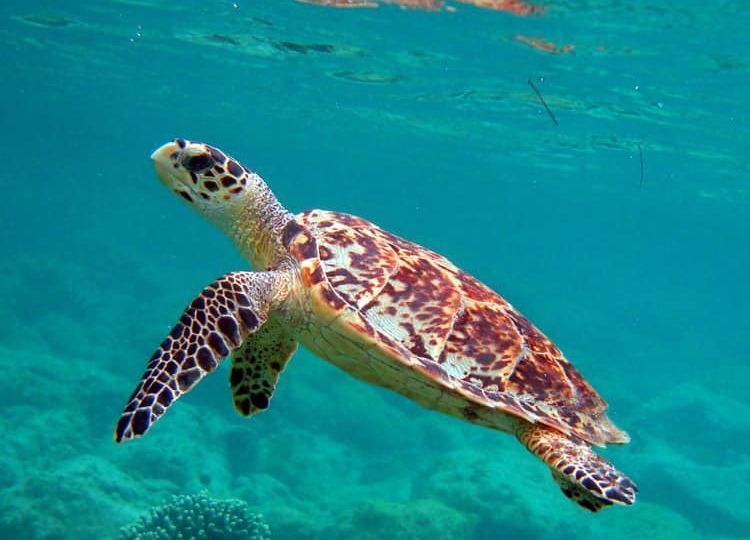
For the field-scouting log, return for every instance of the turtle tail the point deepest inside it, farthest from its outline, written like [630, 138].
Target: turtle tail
[586, 478]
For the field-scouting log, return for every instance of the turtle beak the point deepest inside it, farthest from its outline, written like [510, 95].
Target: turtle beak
[165, 157]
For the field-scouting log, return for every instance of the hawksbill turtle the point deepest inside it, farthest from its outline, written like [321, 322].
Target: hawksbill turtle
[385, 310]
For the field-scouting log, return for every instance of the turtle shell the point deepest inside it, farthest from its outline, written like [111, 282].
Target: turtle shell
[426, 313]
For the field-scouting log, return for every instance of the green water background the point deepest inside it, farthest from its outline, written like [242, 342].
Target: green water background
[423, 123]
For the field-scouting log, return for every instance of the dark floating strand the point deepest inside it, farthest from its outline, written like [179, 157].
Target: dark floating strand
[261, 20]
[541, 99]
[640, 155]
[224, 39]
[304, 48]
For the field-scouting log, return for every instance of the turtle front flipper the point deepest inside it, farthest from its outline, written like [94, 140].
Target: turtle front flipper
[257, 365]
[216, 323]
[586, 478]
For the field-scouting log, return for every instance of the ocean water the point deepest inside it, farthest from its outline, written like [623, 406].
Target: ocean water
[622, 231]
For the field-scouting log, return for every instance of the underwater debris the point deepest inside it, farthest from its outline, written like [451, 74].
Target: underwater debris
[47, 21]
[541, 98]
[199, 517]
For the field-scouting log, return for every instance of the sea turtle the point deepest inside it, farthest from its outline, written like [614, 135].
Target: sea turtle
[384, 309]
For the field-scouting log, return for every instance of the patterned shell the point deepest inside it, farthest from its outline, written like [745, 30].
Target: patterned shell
[423, 311]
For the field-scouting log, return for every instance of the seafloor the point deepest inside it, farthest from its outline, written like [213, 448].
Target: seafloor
[424, 122]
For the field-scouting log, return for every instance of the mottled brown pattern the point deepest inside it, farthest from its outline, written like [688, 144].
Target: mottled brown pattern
[203, 163]
[216, 323]
[356, 262]
[588, 479]
[290, 231]
[257, 365]
[416, 306]
[460, 331]
[303, 246]
[385, 310]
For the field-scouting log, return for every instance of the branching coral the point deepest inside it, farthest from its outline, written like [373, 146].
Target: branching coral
[199, 517]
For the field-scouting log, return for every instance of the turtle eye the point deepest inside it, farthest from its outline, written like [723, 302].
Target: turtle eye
[198, 162]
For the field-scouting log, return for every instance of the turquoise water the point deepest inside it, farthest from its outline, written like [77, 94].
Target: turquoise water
[424, 123]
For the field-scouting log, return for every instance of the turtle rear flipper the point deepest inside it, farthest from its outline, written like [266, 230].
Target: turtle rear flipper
[586, 478]
[257, 365]
[216, 323]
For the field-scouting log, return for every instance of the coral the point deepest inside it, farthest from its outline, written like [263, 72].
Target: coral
[199, 517]
[48, 500]
[416, 519]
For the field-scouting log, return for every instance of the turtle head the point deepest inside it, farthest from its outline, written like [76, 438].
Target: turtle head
[207, 179]
[230, 196]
